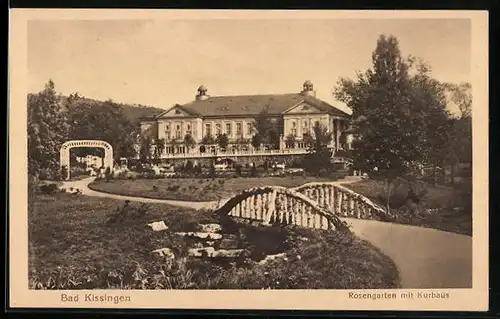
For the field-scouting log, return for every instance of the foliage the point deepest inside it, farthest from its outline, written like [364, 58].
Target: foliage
[47, 131]
[419, 204]
[222, 140]
[266, 130]
[318, 158]
[145, 149]
[105, 121]
[208, 140]
[159, 147]
[400, 114]
[290, 140]
[189, 141]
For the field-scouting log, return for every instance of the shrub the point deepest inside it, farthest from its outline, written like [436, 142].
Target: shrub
[48, 189]
[238, 170]
[253, 171]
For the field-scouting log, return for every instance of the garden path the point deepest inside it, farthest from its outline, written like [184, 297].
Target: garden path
[426, 258]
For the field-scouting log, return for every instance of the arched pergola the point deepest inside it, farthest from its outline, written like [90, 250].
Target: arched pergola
[67, 146]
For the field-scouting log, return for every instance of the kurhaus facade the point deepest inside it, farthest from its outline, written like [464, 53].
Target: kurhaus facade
[295, 114]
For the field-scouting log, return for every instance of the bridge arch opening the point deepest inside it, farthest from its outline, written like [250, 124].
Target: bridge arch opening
[64, 153]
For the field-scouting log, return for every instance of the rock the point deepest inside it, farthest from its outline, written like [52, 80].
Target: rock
[228, 243]
[201, 235]
[227, 253]
[210, 243]
[272, 257]
[210, 228]
[157, 226]
[230, 236]
[165, 252]
[199, 252]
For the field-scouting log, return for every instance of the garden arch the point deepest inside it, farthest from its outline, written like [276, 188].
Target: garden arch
[67, 146]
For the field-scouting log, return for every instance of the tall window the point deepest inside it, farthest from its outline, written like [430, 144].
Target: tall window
[249, 128]
[305, 129]
[239, 131]
[178, 132]
[293, 131]
[188, 129]
[208, 129]
[218, 129]
[229, 129]
[167, 132]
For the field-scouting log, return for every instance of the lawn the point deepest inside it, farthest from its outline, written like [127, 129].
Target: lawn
[442, 207]
[79, 242]
[195, 189]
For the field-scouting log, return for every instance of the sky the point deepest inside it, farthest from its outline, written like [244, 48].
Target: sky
[163, 62]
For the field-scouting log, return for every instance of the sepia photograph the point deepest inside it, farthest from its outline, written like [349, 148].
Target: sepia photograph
[259, 154]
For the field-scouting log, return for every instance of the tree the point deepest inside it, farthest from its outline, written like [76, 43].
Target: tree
[160, 145]
[399, 113]
[208, 140]
[189, 141]
[222, 140]
[257, 141]
[290, 140]
[145, 151]
[267, 130]
[47, 131]
[318, 156]
[106, 121]
[461, 96]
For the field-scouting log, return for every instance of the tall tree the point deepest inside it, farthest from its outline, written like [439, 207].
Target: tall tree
[189, 141]
[145, 150]
[159, 147]
[398, 112]
[102, 120]
[47, 130]
[267, 130]
[318, 157]
[222, 140]
[208, 140]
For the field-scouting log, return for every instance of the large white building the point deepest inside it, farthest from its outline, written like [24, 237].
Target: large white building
[294, 113]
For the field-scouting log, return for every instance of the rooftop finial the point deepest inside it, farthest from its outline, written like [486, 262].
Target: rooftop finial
[202, 93]
[308, 88]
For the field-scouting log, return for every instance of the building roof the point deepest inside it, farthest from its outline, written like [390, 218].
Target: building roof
[251, 105]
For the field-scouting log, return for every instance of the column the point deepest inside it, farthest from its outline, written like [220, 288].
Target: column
[337, 125]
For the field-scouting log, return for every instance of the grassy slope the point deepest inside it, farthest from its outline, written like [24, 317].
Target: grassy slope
[195, 189]
[71, 246]
[441, 197]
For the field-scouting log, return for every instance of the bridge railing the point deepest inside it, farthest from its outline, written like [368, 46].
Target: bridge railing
[279, 205]
[343, 202]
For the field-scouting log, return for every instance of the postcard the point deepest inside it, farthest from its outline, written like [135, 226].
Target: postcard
[246, 159]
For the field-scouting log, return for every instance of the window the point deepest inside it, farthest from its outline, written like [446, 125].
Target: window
[229, 129]
[293, 131]
[178, 132]
[188, 129]
[305, 128]
[218, 129]
[208, 129]
[249, 128]
[167, 132]
[239, 131]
